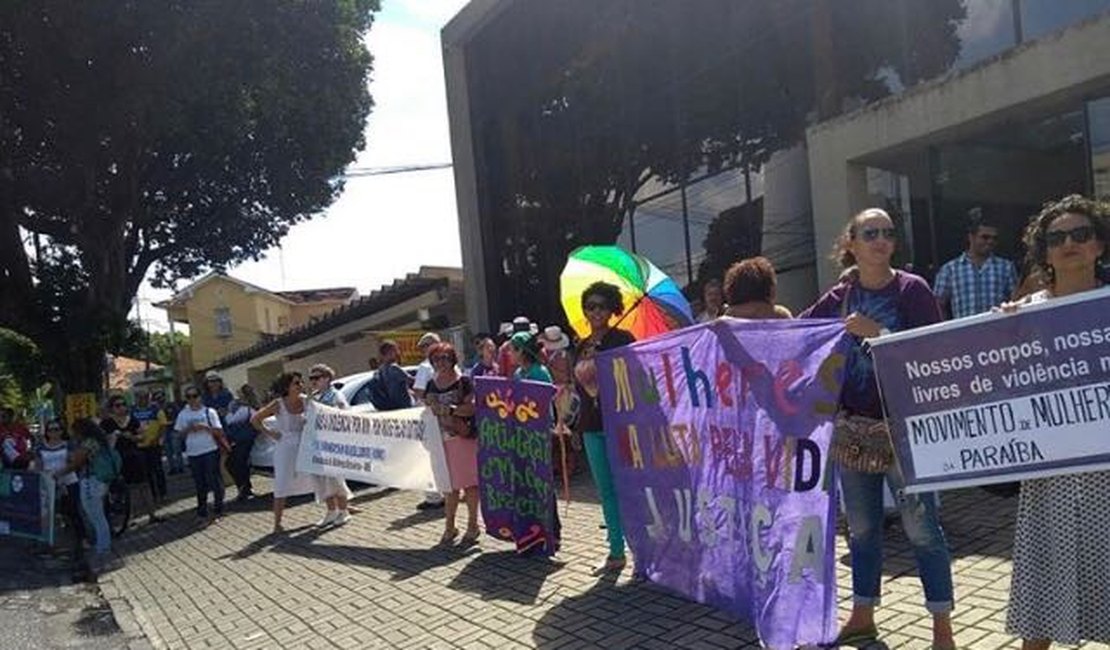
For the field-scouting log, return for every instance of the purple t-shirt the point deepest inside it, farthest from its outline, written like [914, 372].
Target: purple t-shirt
[904, 303]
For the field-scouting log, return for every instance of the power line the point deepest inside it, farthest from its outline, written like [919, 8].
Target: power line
[394, 169]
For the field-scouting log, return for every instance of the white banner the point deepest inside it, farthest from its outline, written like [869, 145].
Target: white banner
[400, 449]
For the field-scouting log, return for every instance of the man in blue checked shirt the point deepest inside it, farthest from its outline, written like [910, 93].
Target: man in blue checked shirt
[977, 280]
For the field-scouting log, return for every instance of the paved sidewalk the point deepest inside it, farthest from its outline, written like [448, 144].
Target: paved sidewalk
[379, 583]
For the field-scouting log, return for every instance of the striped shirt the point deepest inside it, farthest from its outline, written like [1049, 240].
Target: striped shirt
[972, 289]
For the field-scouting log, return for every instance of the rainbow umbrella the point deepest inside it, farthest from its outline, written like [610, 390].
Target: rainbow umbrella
[653, 302]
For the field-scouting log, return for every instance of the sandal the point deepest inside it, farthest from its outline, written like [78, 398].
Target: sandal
[611, 565]
[854, 638]
[448, 536]
[471, 535]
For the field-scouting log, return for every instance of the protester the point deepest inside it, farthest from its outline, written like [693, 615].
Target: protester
[601, 303]
[1061, 570]
[566, 403]
[53, 458]
[486, 365]
[216, 397]
[977, 279]
[450, 396]
[15, 441]
[873, 300]
[750, 287]
[200, 427]
[504, 353]
[174, 443]
[424, 373]
[96, 464]
[389, 387]
[153, 424]
[330, 490]
[713, 301]
[526, 357]
[122, 426]
[241, 435]
[288, 410]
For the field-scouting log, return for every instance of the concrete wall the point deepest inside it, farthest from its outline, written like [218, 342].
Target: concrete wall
[787, 222]
[1057, 70]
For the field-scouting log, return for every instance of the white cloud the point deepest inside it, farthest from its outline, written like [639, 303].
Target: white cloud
[382, 227]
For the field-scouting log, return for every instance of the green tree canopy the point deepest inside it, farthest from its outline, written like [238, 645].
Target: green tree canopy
[164, 137]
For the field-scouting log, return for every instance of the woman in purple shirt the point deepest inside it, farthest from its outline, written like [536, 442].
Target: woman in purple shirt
[874, 299]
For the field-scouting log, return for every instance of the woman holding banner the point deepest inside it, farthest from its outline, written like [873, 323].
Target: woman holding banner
[874, 299]
[330, 490]
[288, 411]
[601, 303]
[1061, 551]
[450, 396]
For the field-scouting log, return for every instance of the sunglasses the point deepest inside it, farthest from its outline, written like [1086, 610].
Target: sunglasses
[192, 395]
[441, 357]
[315, 377]
[595, 306]
[871, 234]
[1080, 235]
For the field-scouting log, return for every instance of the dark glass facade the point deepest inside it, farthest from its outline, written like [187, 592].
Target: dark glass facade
[665, 125]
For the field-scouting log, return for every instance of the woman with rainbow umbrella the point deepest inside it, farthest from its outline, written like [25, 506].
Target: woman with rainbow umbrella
[612, 298]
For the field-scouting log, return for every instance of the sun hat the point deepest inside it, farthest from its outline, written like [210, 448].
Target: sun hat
[521, 324]
[554, 338]
[429, 338]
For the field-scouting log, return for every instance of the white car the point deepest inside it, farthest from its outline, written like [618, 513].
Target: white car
[356, 388]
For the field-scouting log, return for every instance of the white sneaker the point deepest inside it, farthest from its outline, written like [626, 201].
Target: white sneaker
[328, 519]
[343, 518]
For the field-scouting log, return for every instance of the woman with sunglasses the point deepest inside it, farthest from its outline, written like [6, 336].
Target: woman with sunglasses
[603, 306]
[53, 457]
[125, 429]
[874, 299]
[1061, 573]
[450, 396]
[199, 426]
[288, 412]
[330, 490]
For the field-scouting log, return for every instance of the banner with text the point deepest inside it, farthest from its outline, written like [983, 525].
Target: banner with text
[718, 439]
[27, 505]
[515, 476]
[1000, 397]
[400, 449]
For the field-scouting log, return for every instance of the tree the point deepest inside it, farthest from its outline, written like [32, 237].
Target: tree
[161, 137]
[158, 346]
[21, 371]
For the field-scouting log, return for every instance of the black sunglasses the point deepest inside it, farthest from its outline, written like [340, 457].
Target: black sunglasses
[871, 234]
[192, 395]
[1080, 235]
[595, 306]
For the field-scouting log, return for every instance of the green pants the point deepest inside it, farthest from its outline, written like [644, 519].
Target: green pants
[598, 458]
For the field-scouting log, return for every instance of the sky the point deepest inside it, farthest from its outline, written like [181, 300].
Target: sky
[381, 227]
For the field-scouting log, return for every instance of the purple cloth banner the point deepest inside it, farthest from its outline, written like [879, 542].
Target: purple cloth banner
[515, 479]
[718, 437]
[1000, 397]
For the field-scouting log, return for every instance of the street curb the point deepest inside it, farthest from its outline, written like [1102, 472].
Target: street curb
[131, 622]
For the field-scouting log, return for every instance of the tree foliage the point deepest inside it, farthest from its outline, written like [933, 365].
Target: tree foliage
[162, 137]
[579, 104]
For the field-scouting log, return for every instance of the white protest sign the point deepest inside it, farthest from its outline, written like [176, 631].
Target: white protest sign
[401, 449]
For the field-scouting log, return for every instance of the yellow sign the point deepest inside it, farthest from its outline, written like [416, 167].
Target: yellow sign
[80, 405]
[406, 340]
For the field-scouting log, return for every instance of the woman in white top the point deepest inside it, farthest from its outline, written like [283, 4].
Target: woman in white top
[200, 427]
[288, 411]
[331, 490]
[53, 457]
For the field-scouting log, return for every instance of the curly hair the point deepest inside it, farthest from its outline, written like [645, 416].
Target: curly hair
[842, 253]
[1036, 233]
[282, 383]
[750, 280]
[610, 293]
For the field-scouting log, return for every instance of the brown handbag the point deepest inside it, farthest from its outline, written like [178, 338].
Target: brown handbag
[860, 443]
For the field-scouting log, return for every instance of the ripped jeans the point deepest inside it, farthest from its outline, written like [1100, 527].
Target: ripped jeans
[863, 504]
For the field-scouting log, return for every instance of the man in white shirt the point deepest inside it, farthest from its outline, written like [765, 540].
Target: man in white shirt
[200, 427]
[424, 374]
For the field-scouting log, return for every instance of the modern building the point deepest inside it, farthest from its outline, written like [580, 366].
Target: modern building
[698, 132]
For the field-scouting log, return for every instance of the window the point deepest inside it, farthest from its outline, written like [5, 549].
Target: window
[223, 322]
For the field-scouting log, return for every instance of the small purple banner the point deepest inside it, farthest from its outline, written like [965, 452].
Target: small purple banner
[515, 479]
[1000, 397]
[718, 439]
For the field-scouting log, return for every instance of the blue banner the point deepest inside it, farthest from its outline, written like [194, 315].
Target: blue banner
[1000, 397]
[27, 505]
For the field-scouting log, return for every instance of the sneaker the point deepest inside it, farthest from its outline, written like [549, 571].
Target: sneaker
[342, 518]
[429, 505]
[328, 519]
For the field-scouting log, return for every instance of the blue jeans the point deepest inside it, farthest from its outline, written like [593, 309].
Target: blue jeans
[92, 507]
[174, 450]
[598, 457]
[206, 478]
[863, 503]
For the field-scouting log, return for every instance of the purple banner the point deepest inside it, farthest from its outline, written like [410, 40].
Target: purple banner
[718, 437]
[1000, 397]
[514, 462]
